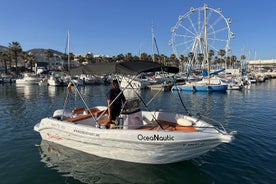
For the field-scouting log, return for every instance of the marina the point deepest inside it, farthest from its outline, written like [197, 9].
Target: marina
[200, 114]
[248, 159]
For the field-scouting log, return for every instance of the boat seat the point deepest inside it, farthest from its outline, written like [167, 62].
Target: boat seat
[171, 126]
[77, 118]
[94, 112]
[81, 110]
[78, 110]
[104, 121]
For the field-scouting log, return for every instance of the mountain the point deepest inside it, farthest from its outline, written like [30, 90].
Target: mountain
[39, 54]
[3, 48]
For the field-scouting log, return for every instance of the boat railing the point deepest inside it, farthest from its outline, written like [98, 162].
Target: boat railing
[215, 124]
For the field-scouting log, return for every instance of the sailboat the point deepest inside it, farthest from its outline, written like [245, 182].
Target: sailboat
[203, 85]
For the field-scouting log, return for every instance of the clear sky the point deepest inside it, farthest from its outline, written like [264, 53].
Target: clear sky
[113, 27]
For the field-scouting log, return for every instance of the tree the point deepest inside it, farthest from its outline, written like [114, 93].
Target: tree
[242, 60]
[233, 60]
[14, 50]
[81, 59]
[191, 56]
[200, 58]
[144, 56]
[49, 54]
[4, 58]
[222, 53]
[89, 58]
[128, 57]
[173, 60]
[163, 59]
[228, 61]
[120, 57]
[29, 59]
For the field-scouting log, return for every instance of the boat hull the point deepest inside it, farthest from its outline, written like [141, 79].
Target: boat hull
[200, 88]
[139, 146]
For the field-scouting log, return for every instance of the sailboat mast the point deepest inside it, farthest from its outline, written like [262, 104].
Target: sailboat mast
[206, 41]
[68, 48]
[154, 44]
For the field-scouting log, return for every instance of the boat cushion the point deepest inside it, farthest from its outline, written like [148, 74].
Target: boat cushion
[184, 122]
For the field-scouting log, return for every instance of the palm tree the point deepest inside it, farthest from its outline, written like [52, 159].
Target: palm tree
[89, 58]
[156, 58]
[120, 57]
[4, 58]
[173, 60]
[128, 57]
[222, 53]
[243, 57]
[30, 58]
[233, 60]
[49, 54]
[14, 50]
[81, 59]
[191, 56]
[228, 61]
[163, 59]
[144, 56]
[200, 58]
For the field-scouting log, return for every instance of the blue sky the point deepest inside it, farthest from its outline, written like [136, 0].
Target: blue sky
[112, 27]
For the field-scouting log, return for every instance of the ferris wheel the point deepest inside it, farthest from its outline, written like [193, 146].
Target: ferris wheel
[200, 28]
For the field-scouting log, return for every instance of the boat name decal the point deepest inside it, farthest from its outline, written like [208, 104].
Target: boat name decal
[54, 137]
[155, 137]
[86, 133]
[58, 126]
[194, 144]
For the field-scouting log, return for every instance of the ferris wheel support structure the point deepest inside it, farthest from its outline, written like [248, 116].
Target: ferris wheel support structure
[198, 28]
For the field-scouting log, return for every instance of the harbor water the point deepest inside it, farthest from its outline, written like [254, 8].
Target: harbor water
[249, 159]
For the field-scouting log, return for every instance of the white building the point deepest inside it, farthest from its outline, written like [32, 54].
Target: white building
[257, 64]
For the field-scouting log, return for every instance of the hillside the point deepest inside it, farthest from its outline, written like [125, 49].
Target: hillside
[39, 54]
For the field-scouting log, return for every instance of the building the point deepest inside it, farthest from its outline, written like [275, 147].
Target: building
[262, 64]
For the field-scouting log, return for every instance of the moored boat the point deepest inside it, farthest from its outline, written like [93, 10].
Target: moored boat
[141, 136]
[28, 78]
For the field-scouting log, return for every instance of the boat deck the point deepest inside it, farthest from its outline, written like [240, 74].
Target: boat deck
[170, 126]
[165, 125]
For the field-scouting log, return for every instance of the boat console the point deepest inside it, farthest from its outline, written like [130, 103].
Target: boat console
[131, 115]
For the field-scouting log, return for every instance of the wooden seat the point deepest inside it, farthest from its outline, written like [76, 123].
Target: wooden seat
[77, 118]
[171, 126]
[78, 111]
[94, 112]
[104, 121]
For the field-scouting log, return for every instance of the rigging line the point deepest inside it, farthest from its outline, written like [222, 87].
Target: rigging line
[154, 96]
[146, 106]
[64, 105]
[178, 92]
[83, 100]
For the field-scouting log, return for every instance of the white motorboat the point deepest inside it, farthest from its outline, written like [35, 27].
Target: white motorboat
[139, 136]
[58, 79]
[140, 82]
[28, 78]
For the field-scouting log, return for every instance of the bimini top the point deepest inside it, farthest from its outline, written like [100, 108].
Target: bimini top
[124, 67]
[136, 67]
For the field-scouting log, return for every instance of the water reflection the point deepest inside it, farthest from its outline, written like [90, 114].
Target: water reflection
[92, 169]
[25, 90]
[132, 93]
